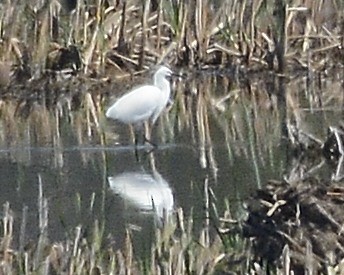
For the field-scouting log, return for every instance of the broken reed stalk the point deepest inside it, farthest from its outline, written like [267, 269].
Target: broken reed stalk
[199, 21]
[145, 8]
[159, 23]
[23, 229]
[241, 29]
[122, 47]
[280, 34]
[43, 225]
[92, 51]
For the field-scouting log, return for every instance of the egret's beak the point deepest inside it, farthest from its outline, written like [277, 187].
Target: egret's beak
[175, 75]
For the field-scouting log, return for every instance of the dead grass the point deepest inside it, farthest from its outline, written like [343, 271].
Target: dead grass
[111, 37]
[175, 250]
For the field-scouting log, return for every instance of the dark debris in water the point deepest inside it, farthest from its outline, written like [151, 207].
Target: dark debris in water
[309, 149]
[302, 214]
[64, 58]
[333, 146]
[306, 214]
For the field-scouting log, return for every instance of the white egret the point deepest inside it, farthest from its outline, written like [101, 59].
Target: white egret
[148, 192]
[144, 103]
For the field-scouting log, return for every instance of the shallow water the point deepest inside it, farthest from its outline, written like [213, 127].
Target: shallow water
[219, 135]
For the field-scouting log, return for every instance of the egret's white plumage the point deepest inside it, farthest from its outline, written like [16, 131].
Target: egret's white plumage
[144, 103]
[148, 192]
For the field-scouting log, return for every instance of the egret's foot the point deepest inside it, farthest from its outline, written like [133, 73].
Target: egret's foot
[150, 142]
[148, 151]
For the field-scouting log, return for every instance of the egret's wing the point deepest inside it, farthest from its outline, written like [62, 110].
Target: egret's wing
[136, 106]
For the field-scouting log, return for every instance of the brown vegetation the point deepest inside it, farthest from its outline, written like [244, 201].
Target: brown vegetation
[58, 61]
[103, 36]
[299, 225]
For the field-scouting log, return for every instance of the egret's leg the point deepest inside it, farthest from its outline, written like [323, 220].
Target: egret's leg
[136, 139]
[147, 134]
[150, 142]
[137, 154]
[136, 130]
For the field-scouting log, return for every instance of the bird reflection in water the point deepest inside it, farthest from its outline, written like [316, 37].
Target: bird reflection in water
[149, 192]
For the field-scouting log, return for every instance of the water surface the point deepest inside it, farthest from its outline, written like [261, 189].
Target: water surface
[219, 134]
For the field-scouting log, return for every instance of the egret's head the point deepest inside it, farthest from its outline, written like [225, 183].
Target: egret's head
[163, 72]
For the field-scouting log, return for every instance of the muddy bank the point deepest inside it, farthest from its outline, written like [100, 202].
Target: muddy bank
[298, 227]
[297, 224]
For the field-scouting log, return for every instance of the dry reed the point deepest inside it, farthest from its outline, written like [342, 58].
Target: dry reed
[126, 36]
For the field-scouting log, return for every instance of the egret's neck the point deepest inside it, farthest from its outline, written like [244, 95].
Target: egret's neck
[163, 84]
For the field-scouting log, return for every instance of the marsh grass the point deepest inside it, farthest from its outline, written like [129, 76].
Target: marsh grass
[175, 250]
[128, 36]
